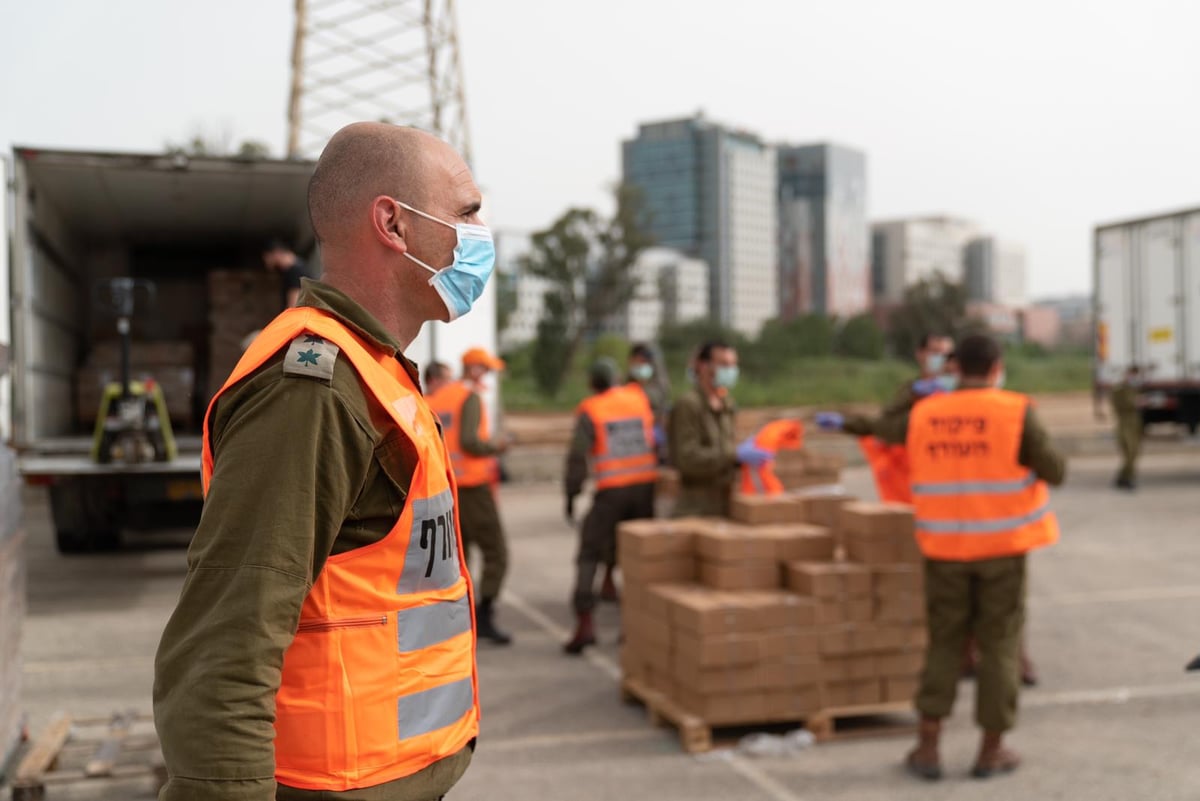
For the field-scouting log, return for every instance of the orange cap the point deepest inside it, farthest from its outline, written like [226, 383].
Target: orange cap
[482, 357]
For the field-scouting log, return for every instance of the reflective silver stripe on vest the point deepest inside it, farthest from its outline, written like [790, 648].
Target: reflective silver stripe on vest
[423, 626]
[981, 526]
[757, 481]
[431, 561]
[435, 708]
[649, 467]
[975, 487]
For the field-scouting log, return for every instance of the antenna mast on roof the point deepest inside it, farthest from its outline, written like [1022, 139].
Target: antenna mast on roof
[393, 61]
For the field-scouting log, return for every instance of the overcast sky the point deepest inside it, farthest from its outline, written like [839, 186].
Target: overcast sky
[1035, 118]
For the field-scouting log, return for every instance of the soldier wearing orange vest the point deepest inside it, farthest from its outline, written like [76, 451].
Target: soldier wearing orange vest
[473, 451]
[614, 441]
[980, 464]
[323, 643]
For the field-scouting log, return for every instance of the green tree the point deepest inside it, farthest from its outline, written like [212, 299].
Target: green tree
[506, 299]
[588, 261]
[551, 348]
[860, 338]
[933, 305]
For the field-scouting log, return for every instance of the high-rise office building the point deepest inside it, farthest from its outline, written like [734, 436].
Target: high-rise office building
[906, 251]
[824, 246]
[710, 192]
[996, 272]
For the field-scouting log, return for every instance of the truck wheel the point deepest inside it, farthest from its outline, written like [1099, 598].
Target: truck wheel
[85, 516]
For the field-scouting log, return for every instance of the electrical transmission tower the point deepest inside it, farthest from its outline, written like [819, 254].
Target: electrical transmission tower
[392, 61]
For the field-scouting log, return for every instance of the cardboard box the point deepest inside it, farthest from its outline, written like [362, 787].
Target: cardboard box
[897, 579]
[802, 644]
[659, 598]
[730, 542]
[758, 510]
[901, 663]
[797, 703]
[707, 612]
[657, 657]
[726, 709]
[643, 631]
[829, 579]
[896, 688]
[854, 692]
[908, 608]
[847, 640]
[775, 610]
[735, 576]
[656, 539]
[735, 679]
[823, 507]
[667, 570]
[719, 651]
[880, 520]
[870, 550]
[838, 611]
[800, 542]
[848, 668]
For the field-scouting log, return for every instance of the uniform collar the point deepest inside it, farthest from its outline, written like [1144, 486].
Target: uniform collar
[319, 295]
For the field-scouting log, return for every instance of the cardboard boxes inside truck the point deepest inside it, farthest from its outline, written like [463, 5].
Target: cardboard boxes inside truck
[762, 620]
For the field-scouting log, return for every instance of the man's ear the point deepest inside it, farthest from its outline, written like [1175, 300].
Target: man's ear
[389, 224]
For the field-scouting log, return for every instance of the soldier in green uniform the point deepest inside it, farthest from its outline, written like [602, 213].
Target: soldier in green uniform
[932, 354]
[309, 465]
[996, 701]
[1128, 416]
[701, 438]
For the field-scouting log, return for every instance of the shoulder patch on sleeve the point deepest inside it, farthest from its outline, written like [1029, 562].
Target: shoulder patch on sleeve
[311, 356]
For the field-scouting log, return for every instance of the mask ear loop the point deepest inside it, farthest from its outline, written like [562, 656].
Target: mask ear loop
[410, 256]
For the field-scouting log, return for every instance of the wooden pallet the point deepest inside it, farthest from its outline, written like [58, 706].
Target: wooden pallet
[868, 721]
[695, 736]
[70, 751]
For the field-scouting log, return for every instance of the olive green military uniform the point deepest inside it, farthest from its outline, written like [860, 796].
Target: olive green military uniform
[984, 598]
[481, 526]
[610, 508]
[894, 412]
[1129, 429]
[702, 447]
[306, 467]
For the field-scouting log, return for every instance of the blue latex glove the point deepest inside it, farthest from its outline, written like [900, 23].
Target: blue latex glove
[750, 454]
[660, 437]
[927, 386]
[830, 421]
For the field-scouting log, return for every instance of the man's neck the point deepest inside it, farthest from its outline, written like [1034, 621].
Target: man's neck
[399, 319]
[975, 383]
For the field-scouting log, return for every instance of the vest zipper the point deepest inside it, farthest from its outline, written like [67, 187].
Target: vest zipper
[342, 623]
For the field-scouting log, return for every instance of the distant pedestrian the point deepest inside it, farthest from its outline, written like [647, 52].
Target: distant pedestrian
[1127, 413]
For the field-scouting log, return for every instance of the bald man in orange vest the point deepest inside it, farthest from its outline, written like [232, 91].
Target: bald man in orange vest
[323, 645]
[980, 465]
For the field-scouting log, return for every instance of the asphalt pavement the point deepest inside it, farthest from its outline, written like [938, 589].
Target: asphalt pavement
[1114, 617]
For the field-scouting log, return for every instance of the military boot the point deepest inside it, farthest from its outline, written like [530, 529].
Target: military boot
[925, 761]
[485, 624]
[994, 758]
[585, 634]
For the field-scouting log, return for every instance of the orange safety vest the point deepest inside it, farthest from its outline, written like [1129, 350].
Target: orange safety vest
[469, 470]
[623, 453]
[889, 467]
[777, 436]
[972, 499]
[380, 680]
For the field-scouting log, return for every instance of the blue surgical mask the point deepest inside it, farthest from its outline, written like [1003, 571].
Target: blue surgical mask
[948, 382]
[935, 363]
[642, 371]
[726, 377]
[461, 284]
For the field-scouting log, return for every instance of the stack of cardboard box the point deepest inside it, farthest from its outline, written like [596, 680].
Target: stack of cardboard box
[762, 619]
[170, 364]
[239, 303]
[798, 469]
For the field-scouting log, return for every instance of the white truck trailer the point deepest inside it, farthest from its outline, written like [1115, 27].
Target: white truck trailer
[1147, 311]
[76, 219]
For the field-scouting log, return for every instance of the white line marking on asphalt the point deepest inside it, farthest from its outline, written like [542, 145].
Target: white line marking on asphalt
[744, 769]
[1110, 695]
[1117, 596]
